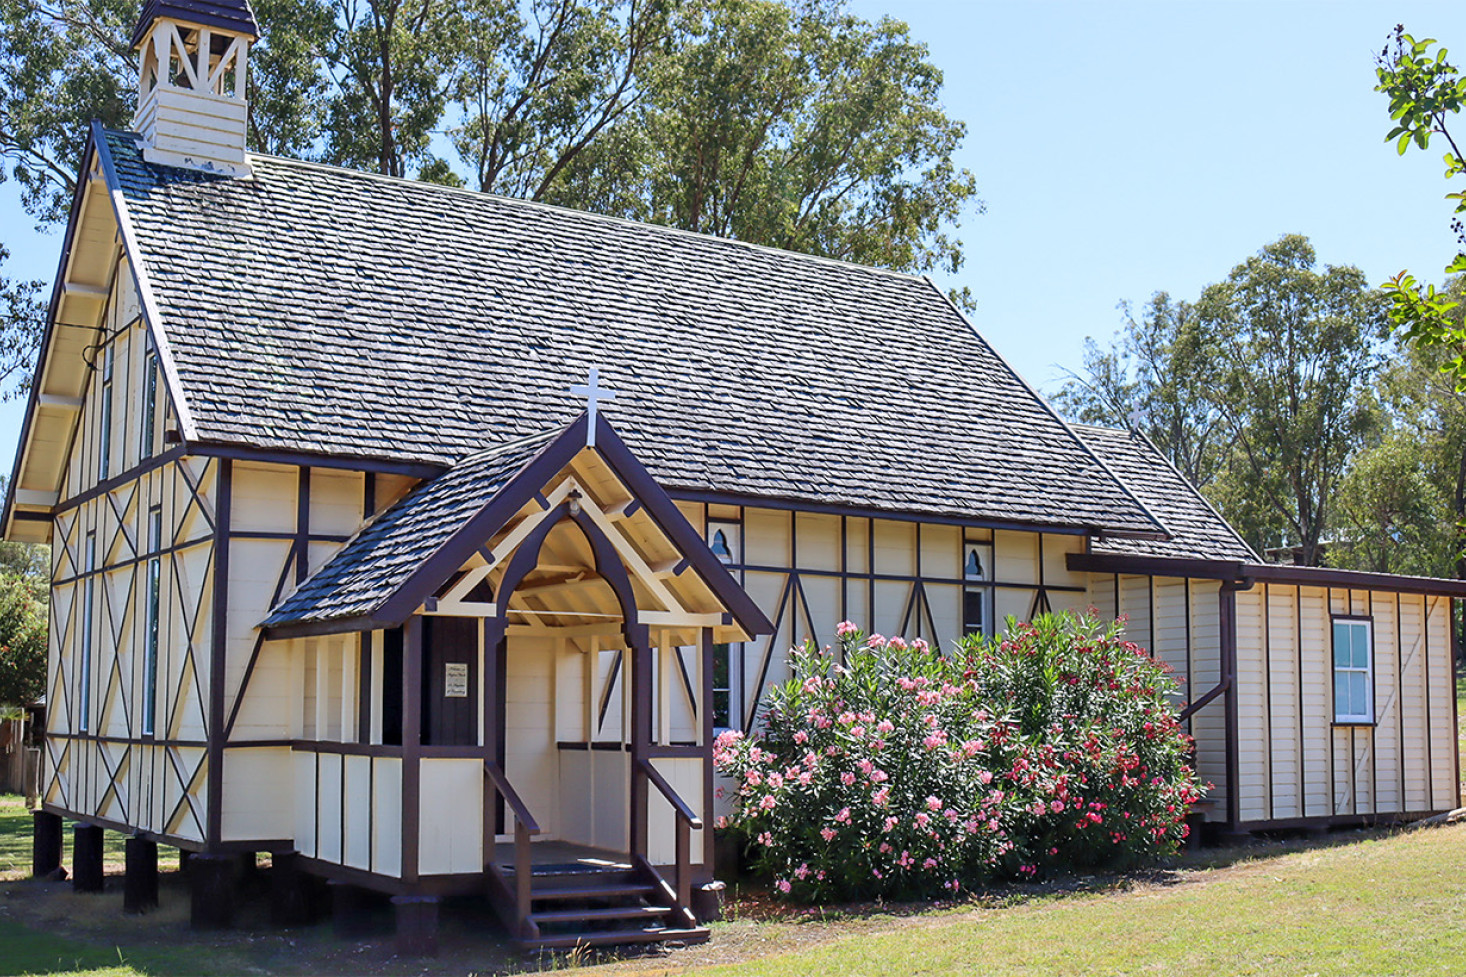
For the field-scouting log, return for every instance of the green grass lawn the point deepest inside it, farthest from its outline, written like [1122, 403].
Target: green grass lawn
[1383, 905]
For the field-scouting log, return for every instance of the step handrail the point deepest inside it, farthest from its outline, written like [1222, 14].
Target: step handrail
[524, 826]
[686, 820]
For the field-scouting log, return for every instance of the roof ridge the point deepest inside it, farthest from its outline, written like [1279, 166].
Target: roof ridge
[572, 211]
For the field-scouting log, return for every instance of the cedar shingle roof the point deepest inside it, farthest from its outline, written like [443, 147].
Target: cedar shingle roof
[1197, 530]
[312, 308]
[376, 562]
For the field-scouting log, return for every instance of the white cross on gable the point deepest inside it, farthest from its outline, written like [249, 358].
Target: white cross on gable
[594, 393]
[1138, 418]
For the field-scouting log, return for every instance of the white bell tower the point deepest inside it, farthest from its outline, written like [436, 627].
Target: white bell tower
[191, 109]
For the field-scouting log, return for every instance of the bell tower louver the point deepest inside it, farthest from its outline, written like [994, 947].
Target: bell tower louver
[191, 108]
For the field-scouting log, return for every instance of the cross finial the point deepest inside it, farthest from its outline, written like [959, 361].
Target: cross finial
[1137, 418]
[594, 393]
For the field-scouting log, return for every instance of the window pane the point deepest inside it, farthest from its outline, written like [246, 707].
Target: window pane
[1341, 694]
[1361, 646]
[1342, 656]
[1358, 694]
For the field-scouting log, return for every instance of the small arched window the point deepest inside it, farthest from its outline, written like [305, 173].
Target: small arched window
[972, 570]
[720, 547]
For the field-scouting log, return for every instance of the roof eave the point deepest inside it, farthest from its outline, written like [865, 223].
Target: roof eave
[1247, 573]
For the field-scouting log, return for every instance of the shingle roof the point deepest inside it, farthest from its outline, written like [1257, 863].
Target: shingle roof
[1197, 530]
[378, 560]
[229, 15]
[312, 308]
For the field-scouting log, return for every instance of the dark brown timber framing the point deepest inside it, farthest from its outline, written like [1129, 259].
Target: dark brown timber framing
[1227, 629]
[1167, 566]
[219, 640]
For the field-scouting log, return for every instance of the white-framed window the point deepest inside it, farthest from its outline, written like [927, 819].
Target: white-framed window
[150, 624]
[148, 433]
[104, 459]
[89, 597]
[977, 562]
[1353, 670]
[726, 659]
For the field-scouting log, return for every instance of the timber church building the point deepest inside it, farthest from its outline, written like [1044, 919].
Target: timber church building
[344, 572]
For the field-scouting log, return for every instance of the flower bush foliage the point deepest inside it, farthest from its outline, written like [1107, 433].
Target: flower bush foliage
[885, 769]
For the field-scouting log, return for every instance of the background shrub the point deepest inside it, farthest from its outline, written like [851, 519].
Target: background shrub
[884, 769]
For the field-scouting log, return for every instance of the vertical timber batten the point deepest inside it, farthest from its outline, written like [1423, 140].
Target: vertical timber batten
[1227, 628]
[218, 639]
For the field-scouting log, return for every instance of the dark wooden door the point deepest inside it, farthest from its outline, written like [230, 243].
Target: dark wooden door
[451, 683]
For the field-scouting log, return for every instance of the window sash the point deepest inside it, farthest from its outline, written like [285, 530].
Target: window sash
[1353, 666]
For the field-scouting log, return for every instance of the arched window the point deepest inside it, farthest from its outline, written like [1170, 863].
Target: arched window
[972, 570]
[720, 547]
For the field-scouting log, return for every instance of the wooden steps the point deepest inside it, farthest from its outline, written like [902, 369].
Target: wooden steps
[602, 905]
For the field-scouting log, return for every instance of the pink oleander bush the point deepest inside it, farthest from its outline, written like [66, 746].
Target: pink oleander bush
[884, 769]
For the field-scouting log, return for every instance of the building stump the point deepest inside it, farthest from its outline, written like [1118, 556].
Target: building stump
[417, 925]
[351, 917]
[86, 858]
[212, 884]
[140, 883]
[46, 835]
[290, 893]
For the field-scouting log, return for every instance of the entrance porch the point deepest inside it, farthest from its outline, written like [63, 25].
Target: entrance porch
[539, 725]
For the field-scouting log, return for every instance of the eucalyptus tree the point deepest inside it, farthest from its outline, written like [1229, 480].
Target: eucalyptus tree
[1294, 353]
[1151, 379]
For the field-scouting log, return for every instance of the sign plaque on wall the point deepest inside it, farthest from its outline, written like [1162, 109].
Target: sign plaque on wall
[455, 680]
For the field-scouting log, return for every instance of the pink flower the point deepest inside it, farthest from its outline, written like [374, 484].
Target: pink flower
[754, 778]
[776, 780]
[845, 628]
[847, 778]
[768, 802]
[878, 776]
[920, 645]
[986, 777]
[881, 797]
[885, 849]
[766, 839]
[875, 641]
[801, 872]
[922, 819]
[884, 726]
[857, 731]
[866, 767]
[929, 864]
[801, 737]
[890, 823]
[897, 643]
[783, 886]
[932, 804]
[828, 834]
[934, 740]
[1057, 807]
[844, 816]
[846, 718]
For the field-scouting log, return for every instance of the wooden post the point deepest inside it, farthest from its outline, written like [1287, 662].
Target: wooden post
[705, 715]
[684, 866]
[1227, 628]
[140, 883]
[493, 678]
[523, 876]
[86, 858]
[412, 668]
[639, 638]
[46, 831]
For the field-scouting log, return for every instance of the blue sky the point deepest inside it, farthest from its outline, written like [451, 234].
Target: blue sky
[1123, 148]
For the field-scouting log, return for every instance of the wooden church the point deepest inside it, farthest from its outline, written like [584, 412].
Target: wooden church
[346, 572]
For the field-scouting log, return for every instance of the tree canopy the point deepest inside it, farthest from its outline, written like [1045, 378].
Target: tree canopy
[1260, 391]
[1426, 91]
[793, 124]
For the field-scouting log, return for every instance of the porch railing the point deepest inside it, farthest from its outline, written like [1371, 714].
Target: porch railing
[525, 827]
[687, 821]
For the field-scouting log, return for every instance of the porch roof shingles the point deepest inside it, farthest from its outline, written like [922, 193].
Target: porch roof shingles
[375, 563]
[1197, 530]
[312, 308]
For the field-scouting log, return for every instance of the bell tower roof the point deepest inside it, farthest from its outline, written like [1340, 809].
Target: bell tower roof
[232, 16]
